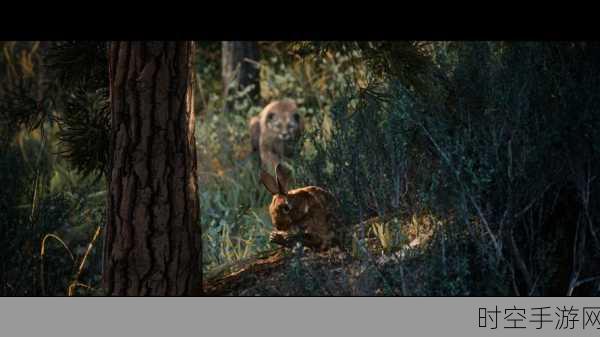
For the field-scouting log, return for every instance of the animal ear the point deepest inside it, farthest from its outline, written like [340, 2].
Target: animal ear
[269, 181]
[282, 174]
[255, 132]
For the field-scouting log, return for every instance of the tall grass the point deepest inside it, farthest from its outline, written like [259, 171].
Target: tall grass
[234, 218]
[490, 170]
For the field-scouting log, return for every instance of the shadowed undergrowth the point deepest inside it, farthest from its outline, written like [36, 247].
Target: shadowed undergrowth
[452, 161]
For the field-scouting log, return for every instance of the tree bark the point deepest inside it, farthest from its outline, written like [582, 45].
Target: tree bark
[240, 70]
[152, 236]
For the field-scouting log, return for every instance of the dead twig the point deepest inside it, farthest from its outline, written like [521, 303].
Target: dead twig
[43, 253]
[76, 282]
[576, 283]
[464, 189]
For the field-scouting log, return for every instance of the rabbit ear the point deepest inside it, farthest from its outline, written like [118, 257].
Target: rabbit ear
[282, 174]
[269, 182]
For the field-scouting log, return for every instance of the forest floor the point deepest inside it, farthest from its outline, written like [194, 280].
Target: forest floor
[303, 272]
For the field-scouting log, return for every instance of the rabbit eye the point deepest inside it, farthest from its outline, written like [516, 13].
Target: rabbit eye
[270, 116]
[285, 208]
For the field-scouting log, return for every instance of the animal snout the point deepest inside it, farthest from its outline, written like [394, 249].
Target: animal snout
[288, 133]
[285, 135]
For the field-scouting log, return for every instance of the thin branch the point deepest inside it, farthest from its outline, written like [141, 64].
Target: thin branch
[521, 212]
[575, 283]
[471, 199]
[43, 253]
[87, 253]
[520, 263]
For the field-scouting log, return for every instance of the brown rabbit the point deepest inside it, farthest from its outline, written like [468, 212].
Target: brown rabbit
[304, 214]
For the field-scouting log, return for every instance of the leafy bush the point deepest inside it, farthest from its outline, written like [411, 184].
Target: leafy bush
[233, 215]
[44, 206]
[516, 133]
[485, 153]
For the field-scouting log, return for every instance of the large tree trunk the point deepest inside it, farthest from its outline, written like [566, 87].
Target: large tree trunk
[152, 237]
[240, 70]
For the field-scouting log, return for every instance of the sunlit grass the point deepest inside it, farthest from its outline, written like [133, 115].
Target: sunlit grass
[234, 218]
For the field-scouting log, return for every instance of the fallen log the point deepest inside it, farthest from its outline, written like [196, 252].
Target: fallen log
[244, 274]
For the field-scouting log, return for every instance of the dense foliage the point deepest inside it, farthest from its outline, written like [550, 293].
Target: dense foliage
[486, 152]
